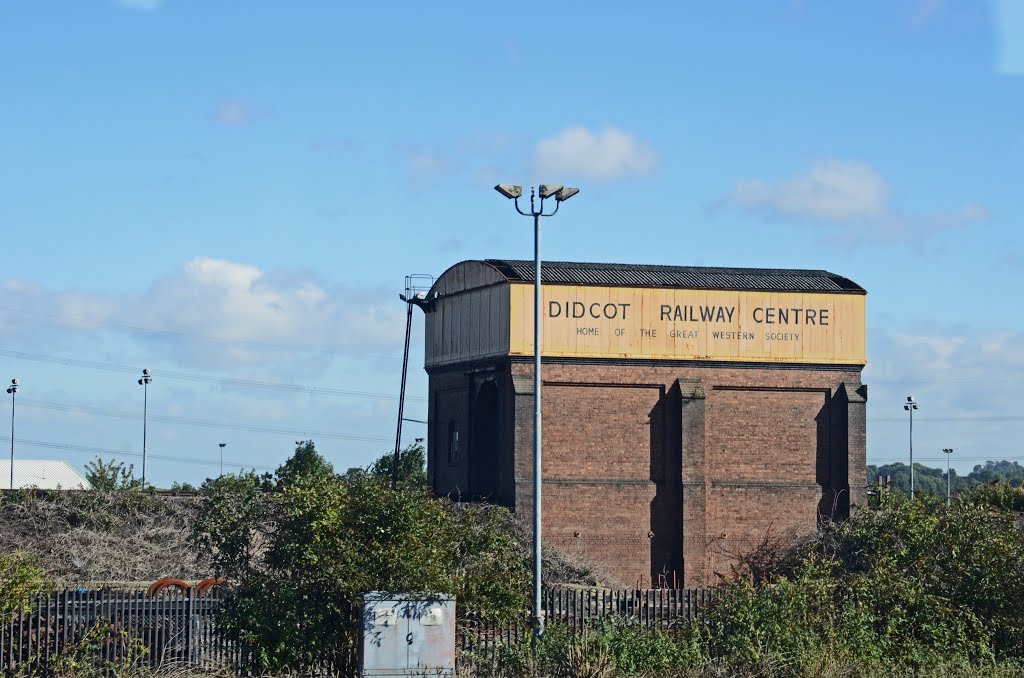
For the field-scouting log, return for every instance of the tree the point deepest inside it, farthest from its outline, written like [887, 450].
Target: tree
[306, 462]
[302, 551]
[233, 523]
[933, 480]
[412, 466]
[111, 475]
[902, 584]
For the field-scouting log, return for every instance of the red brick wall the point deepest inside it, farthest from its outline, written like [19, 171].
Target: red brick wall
[652, 463]
[601, 431]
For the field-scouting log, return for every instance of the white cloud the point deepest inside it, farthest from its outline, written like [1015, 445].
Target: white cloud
[966, 381]
[140, 5]
[959, 371]
[1008, 22]
[215, 312]
[233, 113]
[830, 191]
[604, 156]
[852, 198]
[425, 163]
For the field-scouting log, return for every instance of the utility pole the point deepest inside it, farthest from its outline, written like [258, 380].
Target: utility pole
[416, 287]
[949, 452]
[910, 406]
[12, 389]
[144, 382]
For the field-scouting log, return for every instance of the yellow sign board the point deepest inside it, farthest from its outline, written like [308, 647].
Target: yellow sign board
[679, 324]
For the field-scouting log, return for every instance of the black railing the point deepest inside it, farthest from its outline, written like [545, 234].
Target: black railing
[111, 628]
[665, 610]
[114, 627]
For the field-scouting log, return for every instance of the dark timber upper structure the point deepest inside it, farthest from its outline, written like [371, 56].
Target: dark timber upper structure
[688, 411]
[687, 277]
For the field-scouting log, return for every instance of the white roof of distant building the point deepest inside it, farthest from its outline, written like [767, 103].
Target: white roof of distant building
[44, 474]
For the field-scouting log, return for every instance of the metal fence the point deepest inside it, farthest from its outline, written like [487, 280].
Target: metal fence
[107, 628]
[664, 610]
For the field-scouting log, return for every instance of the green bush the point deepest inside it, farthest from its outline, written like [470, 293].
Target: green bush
[302, 550]
[907, 584]
[610, 647]
[20, 579]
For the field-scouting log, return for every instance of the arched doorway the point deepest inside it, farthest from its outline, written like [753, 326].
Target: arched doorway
[483, 453]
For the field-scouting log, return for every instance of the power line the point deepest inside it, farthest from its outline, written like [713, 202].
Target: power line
[190, 335]
[189, 421]
[196, 377]
[992, 458]
[915, 380]
[903, 420]
[102, 450]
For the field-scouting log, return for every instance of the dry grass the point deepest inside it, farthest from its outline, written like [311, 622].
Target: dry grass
[102, 536]
[127, 536]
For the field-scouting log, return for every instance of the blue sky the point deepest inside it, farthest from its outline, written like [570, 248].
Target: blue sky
[232, 193]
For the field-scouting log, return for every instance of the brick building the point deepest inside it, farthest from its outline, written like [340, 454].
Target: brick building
[688, 412]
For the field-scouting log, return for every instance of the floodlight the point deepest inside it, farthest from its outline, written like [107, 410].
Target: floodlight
[566, 193]
[510, 191]
[548, 190]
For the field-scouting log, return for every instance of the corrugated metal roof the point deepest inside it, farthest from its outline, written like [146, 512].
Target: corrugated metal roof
[44, 474]
[686, 277]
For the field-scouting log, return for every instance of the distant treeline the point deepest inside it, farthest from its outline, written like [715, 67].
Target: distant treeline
[933, 480]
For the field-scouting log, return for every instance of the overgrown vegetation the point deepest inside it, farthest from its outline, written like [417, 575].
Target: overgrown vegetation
[302, 546]
[20, 579]
[902, 588]
[608, 647]
[105, 476]
[79, 537]
[933, 480]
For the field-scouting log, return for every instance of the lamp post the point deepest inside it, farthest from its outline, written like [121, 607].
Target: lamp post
[948, 451]
[910, 406]
[12, 389]
[221, 446]
[560, 194]
[144, 382]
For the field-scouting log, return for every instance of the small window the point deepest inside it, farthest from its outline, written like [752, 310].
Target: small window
[453, 443]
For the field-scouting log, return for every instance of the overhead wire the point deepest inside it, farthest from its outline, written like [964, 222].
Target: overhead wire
[190, 335]
[198, 377]
[190, 421]
[943, 459]
[903, 420]
[149, 455]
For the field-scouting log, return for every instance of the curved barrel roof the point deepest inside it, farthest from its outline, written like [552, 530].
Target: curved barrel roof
[687, 277]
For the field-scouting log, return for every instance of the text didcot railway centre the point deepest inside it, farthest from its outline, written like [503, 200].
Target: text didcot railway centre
[762, 315]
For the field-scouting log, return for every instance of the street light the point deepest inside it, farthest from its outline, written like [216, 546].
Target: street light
[221, 445]
[910, 406]
[948, 451]
[144, 382]
[12, 389]
[560, 194]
